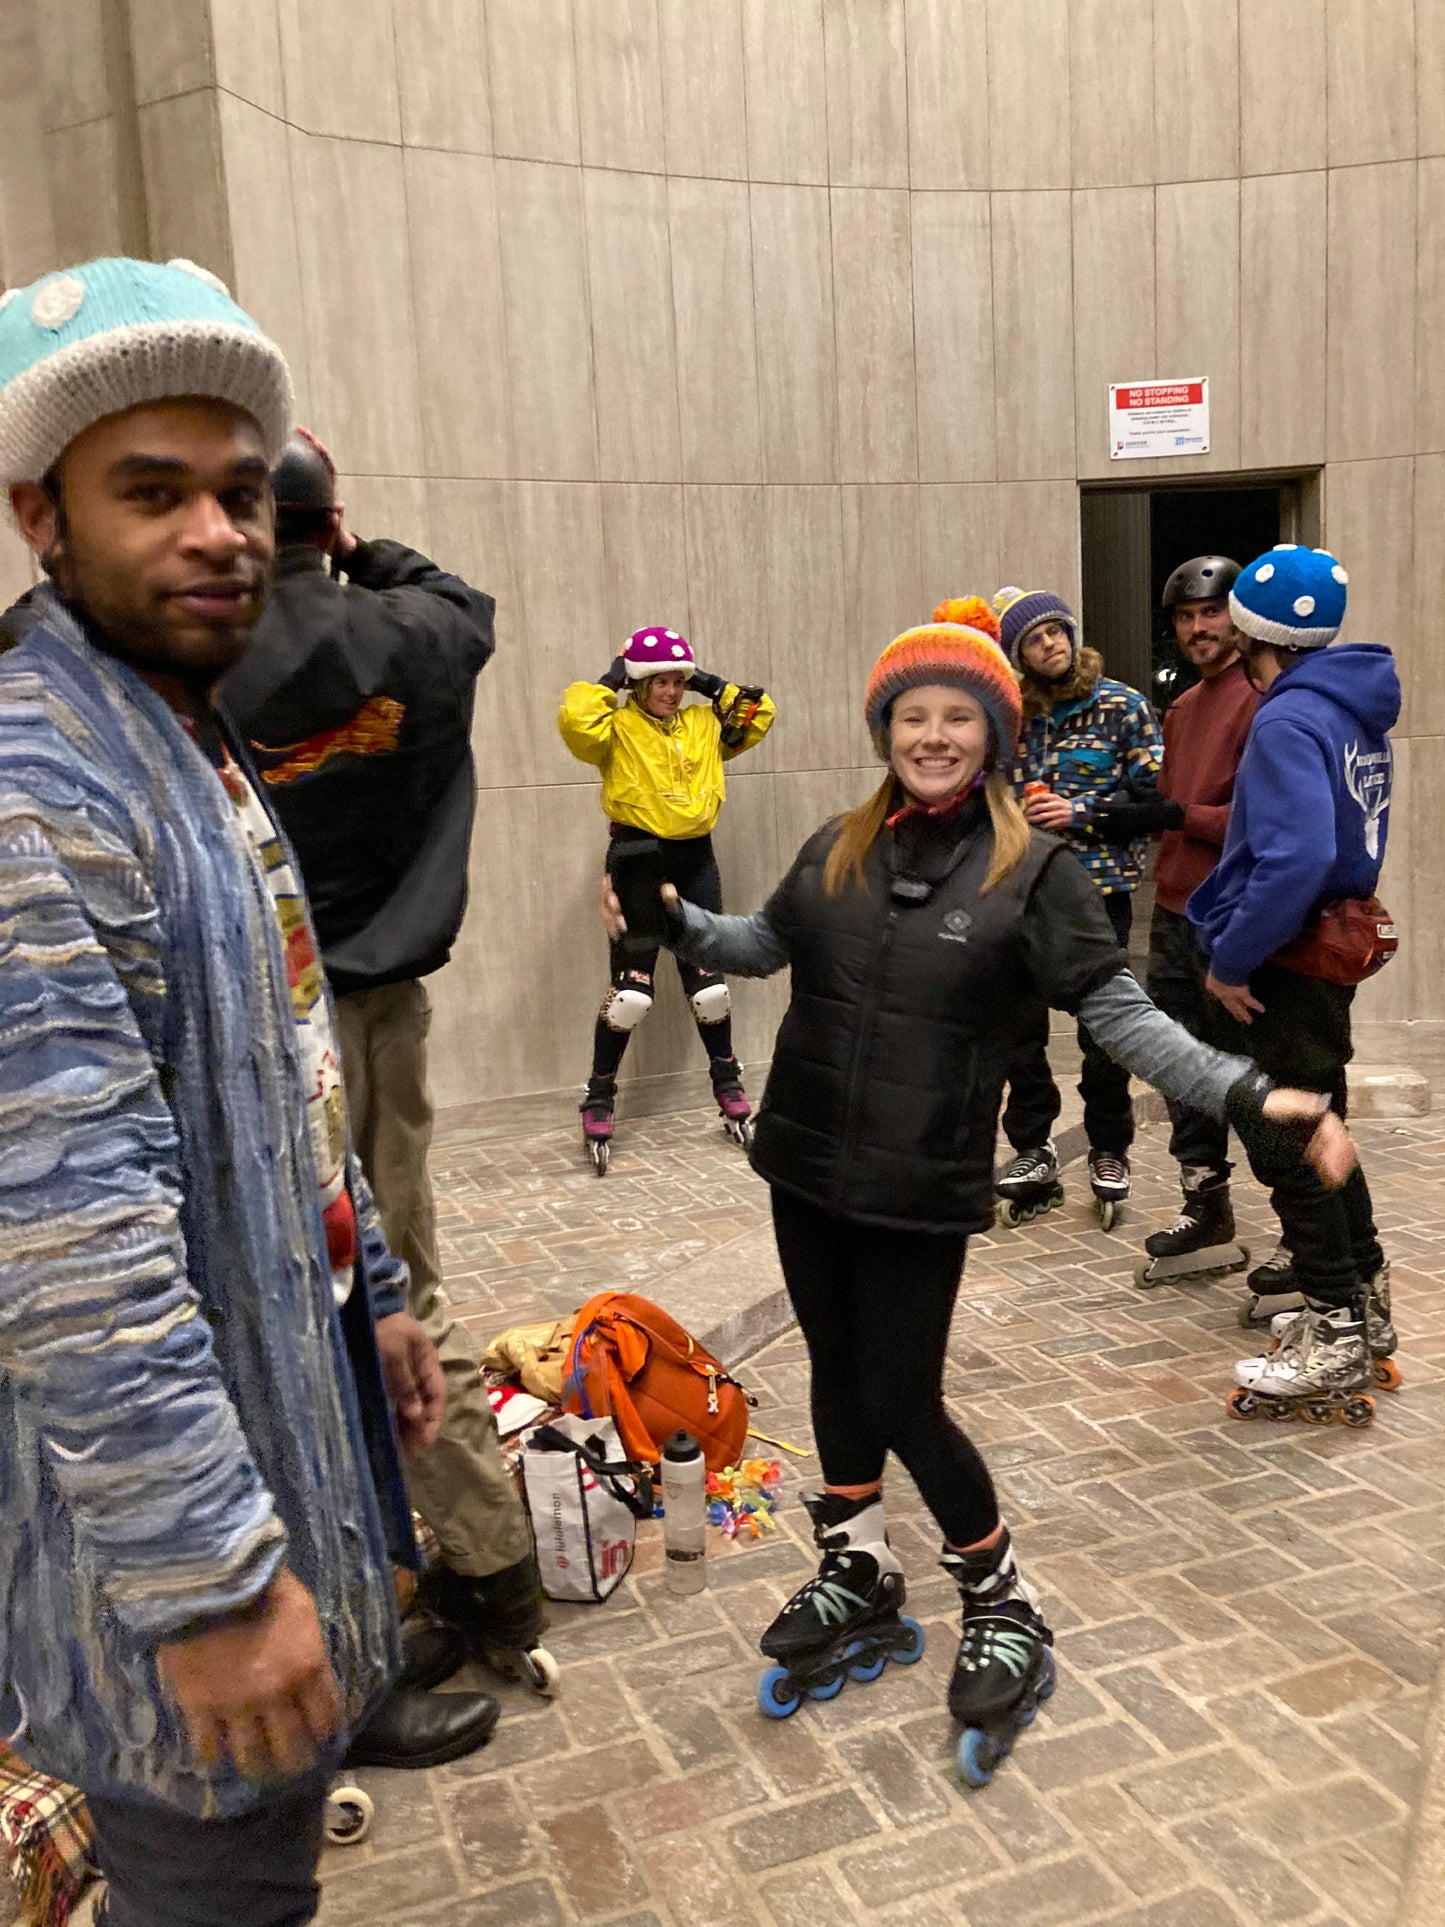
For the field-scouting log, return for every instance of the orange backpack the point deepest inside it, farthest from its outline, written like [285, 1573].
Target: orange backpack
[631, 1361]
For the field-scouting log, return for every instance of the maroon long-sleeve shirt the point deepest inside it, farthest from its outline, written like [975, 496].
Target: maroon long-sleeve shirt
[1204, 732]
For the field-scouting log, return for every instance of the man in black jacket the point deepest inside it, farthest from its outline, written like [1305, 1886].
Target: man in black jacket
[356, 701]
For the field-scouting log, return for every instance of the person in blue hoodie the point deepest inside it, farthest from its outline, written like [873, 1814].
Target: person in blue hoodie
[1308, 827]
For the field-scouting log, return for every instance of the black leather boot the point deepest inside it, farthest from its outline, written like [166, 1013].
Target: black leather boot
[410, 1728]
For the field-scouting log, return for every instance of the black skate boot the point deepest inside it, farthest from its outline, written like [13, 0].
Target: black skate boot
[732, 1099]
[844, 1624]
[1004, 1666]
[1029, 1187]
[1200, 1240]
[1319, 1370]
[597, 1109]
[1109, 1181]
[501, 1617]
[1273, 1288]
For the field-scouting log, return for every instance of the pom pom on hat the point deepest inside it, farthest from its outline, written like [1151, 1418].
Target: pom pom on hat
[1291, 596]
[961, 655]
[113, 334]
[647, 652]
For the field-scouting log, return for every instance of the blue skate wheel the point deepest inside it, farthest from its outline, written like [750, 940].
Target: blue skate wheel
[779, 1693]
[865, 1670]
[978, 1755]
[917, 1639]
[1048, 1677]
[827, 1689]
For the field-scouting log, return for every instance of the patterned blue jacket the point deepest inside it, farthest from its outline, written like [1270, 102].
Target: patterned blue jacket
[1107, 743]
[181, 1404]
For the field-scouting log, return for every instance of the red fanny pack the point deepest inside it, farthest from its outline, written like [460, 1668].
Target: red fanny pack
[1344, 942]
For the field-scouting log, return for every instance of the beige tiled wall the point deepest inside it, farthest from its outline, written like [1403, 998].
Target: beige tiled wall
[779, 320]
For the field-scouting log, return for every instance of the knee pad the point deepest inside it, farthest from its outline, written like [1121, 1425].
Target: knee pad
[711, 1004]
[625, 1006]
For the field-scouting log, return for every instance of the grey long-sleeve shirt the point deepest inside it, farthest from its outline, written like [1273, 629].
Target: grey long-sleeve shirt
[1119, 1016]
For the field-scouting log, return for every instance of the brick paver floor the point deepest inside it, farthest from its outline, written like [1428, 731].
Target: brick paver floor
[1248, 1615]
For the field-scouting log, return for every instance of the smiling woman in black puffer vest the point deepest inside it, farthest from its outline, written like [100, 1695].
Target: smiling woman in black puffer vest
[923, 930]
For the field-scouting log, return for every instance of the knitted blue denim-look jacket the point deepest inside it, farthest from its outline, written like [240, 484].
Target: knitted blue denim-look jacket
[182, 1406]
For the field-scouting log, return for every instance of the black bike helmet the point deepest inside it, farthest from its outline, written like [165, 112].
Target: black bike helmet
[303, 478]
[1204, 578]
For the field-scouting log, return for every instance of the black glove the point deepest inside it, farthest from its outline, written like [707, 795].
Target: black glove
[615, 674]
[1121, 819]
[705, 685]
[1275, 1144]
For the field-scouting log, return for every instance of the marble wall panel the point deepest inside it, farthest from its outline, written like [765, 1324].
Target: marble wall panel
[1038, 536]
[396, 508]
[1423, 806]
[716, 351]
[629, 271]
[1369, 523]
[1197, 315]
[441, 70]
[957, 542]
[806, 613]
[882, 588]
[1111, 44]
[704, 117]
[366, 402]
[1033, 319]
[947, 83]
[342, 84]
[1430, 79]
[548, 326]
[645, 559]
[1114, 306]
[1420, 663]
[74, 75]
[27, 245]
[1370, 51]
[17, 571]
[1029, 141]
[526, 38]
[451, 202]
[561, 581]
[1370, 365]
[1196, 90]
[187, 215]
[806, 799]
[1430, 304]
[873, 310]
[786, 85]
[726, 590]
[619, 84]
[170, 47]
[1282, 86]
[1282, 320]
[1405, 989]
[246, 48]
[82, 171]
[261, 206]
[793, 297]
[474, 534]
[953, 336]
[867, 92]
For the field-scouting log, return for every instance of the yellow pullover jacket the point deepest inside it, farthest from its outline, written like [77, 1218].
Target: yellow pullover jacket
[665, 778]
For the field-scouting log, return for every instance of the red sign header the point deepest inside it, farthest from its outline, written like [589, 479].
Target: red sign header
[1163, 394]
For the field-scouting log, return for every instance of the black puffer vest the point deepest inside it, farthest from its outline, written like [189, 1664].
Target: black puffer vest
[882, 1105]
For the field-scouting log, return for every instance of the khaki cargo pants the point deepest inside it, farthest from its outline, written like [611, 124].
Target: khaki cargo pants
[459, 1485]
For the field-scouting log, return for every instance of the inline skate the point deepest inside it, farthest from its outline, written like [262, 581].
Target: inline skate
[1029, 1187]
[1201, 1239]
[598, 1108]
[844, 1623]
[1273, 1289]
[1004, 1666]
[732, 1100]
[1380, 1332]
[1109, 1182]
[501, 1617]
[1318, 1371]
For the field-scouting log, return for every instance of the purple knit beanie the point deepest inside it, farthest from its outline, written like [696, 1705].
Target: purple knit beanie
[1026, 611]
[647, 652]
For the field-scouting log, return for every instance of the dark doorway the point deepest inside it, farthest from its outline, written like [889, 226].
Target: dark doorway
[1133, 538]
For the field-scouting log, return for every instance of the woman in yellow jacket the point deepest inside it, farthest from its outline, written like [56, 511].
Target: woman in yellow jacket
[662, 778]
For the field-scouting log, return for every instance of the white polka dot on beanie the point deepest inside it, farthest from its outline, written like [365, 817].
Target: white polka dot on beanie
[1290, 596]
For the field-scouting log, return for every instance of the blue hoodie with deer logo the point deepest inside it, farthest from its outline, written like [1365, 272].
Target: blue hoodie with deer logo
[1311, 806]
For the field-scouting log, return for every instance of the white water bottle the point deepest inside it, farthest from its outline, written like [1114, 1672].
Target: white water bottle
[684, 1513]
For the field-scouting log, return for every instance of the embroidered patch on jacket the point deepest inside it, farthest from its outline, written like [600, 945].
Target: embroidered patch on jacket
[373, 731]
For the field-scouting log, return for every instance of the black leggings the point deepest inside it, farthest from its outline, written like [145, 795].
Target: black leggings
[690, 866]
[875, 1307]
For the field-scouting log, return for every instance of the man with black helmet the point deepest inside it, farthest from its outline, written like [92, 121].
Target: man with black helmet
[1204, 734]
[356, 699]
